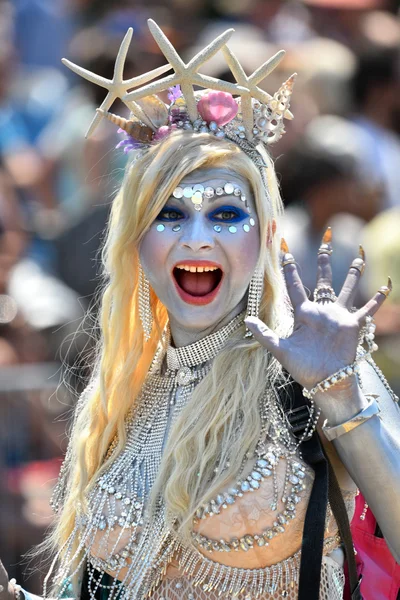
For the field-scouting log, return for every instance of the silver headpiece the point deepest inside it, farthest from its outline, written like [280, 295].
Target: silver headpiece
[241, 111]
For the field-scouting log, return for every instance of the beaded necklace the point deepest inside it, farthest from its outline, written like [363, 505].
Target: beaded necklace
[115, 533]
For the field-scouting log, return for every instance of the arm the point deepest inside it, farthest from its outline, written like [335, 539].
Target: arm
[371, 452]
[9, 590]
[324, 341]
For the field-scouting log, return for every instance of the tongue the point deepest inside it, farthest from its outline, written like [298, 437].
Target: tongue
[198, 284]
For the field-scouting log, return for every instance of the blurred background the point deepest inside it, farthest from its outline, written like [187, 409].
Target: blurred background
[339, 165]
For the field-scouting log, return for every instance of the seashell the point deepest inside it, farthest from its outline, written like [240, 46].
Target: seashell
[139, 132]
[155, 110]
[219, 107]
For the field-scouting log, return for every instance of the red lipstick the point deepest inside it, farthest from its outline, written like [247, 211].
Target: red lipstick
[197, 288]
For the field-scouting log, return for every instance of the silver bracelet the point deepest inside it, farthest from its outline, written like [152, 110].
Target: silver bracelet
[324, 385]
[332, 433]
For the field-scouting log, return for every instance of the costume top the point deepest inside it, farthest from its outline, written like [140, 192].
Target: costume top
[244, 542]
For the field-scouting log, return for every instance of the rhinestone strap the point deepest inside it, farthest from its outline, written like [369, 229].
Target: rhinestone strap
[204, 350]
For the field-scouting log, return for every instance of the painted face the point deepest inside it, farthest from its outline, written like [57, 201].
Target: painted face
[200, 262]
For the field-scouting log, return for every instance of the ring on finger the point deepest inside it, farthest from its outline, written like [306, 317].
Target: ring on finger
[1, 588]
[358, 264]
[386, 289]
[325, 249]
[324, 292]
[288, 259]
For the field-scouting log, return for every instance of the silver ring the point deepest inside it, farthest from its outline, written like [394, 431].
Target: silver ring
[324, 293]
[1, 588]
[325, 249]
[289, 261]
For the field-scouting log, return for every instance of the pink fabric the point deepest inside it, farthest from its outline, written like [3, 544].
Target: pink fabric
[381, 573]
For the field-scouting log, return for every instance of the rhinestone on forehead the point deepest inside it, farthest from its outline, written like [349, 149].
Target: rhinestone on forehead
[197, 193]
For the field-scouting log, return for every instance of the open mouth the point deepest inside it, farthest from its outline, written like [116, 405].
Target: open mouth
[197, 283]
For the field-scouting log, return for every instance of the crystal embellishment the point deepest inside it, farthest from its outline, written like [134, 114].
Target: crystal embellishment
[184, 376]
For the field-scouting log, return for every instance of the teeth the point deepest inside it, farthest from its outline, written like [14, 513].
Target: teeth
[193, 269]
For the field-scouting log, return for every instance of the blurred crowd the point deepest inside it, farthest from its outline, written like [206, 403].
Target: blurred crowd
[338, 164]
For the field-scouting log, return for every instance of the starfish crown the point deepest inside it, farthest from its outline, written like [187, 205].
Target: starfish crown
[241, 111]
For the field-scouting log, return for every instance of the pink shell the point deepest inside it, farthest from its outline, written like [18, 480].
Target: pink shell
[217, 106]
[163, 131]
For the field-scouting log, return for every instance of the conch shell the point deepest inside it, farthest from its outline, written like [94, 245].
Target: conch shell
[155, 110]
[271, 124]
[139, 132]
[219, 107]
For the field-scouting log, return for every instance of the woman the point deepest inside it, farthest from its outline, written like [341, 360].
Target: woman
[183, 478]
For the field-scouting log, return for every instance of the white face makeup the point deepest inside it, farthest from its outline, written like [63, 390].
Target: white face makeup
[200, 262]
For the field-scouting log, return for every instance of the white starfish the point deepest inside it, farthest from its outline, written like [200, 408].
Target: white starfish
[250, 83]
[117, 86]
[186, 74]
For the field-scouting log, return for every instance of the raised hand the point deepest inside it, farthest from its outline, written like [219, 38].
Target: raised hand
[325, 334]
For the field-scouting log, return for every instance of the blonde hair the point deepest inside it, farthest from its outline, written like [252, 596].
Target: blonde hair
[237, 378]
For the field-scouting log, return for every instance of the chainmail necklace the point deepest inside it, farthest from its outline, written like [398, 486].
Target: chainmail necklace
[116, 534]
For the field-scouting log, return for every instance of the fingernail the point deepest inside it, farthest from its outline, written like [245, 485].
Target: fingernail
[361, 252]
[284, 246]
[386, 289]
[249, 319]
[359, 264]
[327, 237]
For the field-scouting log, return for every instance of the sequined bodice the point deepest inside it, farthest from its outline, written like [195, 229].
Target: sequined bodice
[245, 539]
[253, 525]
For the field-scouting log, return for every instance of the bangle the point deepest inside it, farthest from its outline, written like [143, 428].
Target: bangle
[324, 385]
[332, 433]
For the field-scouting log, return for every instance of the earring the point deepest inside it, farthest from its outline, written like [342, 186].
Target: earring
[254, 296]
[145, 312]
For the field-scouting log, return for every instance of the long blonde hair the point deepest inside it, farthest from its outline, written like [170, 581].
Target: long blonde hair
[238, 375]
